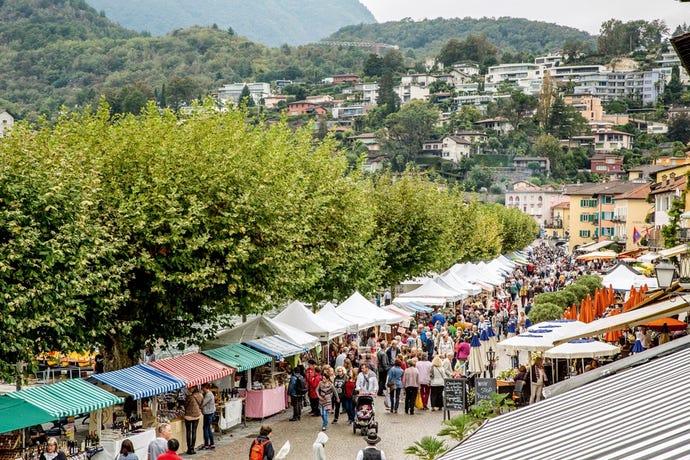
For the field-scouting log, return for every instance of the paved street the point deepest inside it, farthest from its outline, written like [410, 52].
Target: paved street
[397, 431]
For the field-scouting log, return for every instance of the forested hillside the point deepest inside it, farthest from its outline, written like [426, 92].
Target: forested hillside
[428, 36]
[271, 22]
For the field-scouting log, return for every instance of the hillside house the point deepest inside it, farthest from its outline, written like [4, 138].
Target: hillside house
[232, 92]
[532, 165]
[305, 108]
[6, 122]
[607, 164]
[610, 140]
[498, 124]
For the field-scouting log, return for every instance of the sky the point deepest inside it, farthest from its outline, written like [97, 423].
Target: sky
[583, 14]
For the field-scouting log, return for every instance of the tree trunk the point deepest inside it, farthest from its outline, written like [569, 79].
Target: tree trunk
[118, 355]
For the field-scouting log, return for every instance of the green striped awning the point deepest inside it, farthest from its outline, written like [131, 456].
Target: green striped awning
[16, 414]
[70, 397]
[238, 356]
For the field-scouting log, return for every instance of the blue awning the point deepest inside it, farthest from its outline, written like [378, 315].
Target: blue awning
[141, 381]
[276, 346]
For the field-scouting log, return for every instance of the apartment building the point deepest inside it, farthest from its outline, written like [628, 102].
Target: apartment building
[629, 214]
[232, 92]
[533, 200]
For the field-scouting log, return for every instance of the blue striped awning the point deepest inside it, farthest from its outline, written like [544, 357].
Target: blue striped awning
[141, 381]
[69, 397]
[238, 356]
[276, 346]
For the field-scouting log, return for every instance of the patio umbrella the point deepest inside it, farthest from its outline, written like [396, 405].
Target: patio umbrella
[493, 340]
[613, 336]
[671, 323]
[476, 362]
[582, 348]
[484, 340]
[598, 255]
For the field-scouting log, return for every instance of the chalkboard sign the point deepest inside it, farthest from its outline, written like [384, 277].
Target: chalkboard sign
[454, 394]
[483, 389]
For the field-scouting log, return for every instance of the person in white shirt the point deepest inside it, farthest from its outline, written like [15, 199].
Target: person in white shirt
[367, 383]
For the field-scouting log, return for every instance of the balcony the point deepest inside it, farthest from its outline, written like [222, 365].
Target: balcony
[554, 224]
[684, 235]
[620, 219]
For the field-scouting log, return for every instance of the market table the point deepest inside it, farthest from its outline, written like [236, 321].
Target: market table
[505, 387]
[264, 403]
[230, 413]
[111, 441]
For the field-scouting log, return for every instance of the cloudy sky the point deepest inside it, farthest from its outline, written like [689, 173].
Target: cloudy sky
[582, 14]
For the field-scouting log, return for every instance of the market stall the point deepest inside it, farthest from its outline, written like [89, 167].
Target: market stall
[194, 369]
[268, 392]
[242, 359]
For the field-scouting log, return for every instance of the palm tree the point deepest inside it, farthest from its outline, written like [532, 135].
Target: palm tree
[428, 448]
[460, 426]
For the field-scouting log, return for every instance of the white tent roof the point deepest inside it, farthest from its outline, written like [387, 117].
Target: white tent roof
[471, 273]
[298, 315]
[583, 348]
[541, 337]
[398, 311]
[330, 314]
[622, 278]
[357, 306]
[460, 284]
[261, 327]
[431, 293]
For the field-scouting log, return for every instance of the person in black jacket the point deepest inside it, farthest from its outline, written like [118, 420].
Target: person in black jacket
[269, 453]
[52, 452]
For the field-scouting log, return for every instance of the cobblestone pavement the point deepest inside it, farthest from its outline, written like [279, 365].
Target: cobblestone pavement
[397, 431]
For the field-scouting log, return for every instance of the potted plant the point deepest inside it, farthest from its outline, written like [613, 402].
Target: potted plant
[507, 375]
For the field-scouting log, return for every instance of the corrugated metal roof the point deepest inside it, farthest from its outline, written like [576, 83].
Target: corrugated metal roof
[16, 414]
[70, 397]
[238, 356]
[640, 413]
[193, 368]
[276, 346]
[141, 381]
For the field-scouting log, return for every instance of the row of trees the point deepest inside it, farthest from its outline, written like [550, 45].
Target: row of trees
[119, 231]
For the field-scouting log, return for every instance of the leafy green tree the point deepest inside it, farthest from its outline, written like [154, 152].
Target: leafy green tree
[477, 232]
[246, 97]
[565, 121]
[674, 88]
[387, 99]
[679, 128]
[407, 130]
[181, 91]
[548, 146]
[373, 66]
[479, 177]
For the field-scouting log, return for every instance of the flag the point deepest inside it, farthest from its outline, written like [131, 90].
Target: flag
[636, 235]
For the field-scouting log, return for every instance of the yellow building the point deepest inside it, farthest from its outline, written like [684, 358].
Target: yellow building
[559, 221]
[592, 210]
[631, 209]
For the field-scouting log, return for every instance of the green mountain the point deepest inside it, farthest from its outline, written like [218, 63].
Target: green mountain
[428, 36]
[271, 22]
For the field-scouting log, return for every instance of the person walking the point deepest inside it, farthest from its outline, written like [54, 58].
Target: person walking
[327, 393]
[171, 454]
[410, 381]
[371, 452]
[313, 376]
[339, 383]
[208, 409]
[348, 397]
[319, 446]
[538, 379]
[384, 365]
[424, 368]
[437, 380]
[262, 447]
[395, 384]
[159, 446]
[296, 390]
[192, 414]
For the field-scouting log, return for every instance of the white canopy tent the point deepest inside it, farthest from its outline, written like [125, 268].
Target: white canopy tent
[623, 277]
[357, 306]
[260, 327]
[298, 315]
[460, 284]
[540, 337]
[582, 348]
[330, 314]
[471, 273]
[431, 293]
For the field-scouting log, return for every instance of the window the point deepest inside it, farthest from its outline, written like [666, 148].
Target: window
[607, 231]
[587, 217]
[588, 203]
[584, 233]
[607, 199]
[606, 215]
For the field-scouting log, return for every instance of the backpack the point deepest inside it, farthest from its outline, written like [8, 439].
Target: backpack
[301, 385]
[257, 450]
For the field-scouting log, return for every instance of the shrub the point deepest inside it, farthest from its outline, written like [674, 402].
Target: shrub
[545, 312]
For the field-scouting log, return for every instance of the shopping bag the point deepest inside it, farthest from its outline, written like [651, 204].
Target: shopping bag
[418, 402]
[284, 451]
[387, 399]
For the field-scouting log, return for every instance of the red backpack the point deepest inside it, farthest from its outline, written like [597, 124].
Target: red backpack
[257, 450]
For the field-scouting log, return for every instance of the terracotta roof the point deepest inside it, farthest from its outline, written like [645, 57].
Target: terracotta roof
[563, 205]
[677, 183]
[604, 188]
[639, 193]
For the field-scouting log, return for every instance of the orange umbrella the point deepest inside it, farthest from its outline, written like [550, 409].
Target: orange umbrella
[612, 295]
[613, 336]
[672, 324]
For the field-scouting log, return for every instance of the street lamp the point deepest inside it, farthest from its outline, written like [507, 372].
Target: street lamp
[664, 274]
[491, 359]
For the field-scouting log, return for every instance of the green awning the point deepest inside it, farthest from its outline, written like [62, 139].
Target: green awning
[238, 356]
[16, 414]
[69, 397]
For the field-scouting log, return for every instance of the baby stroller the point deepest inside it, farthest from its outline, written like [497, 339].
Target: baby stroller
[364, 415]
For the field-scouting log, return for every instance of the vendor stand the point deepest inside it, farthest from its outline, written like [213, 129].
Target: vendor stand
[141, 381]
[242, 359]
[194, 369]
[267, 395]
[70, 398]
[16, 414]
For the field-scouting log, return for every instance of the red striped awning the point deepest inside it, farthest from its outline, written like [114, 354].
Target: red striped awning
[193, 368]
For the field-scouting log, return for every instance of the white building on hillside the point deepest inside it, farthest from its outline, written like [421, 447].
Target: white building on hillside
[231, 92]
[6, 122]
